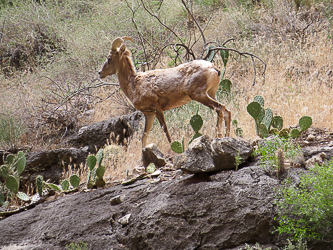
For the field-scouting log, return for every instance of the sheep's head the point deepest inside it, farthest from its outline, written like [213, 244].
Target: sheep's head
[112, 63]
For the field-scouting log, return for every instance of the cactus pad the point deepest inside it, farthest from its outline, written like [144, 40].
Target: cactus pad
[12, 184]
[277, 122]
[23, 196]
[4, 171]
[239, 132]
[100, 172]
[74, 180]
[91, 162]
[10, 159]
[284, 133]
[254, 109]
[64, 185]
[211, 53]
[234, 123]
[177, 147]
[21, 162]
[295, 133]
[263, 132]
[267, 120]
[99, 182]
[151, 168]
[224, 55]
[226, 85]
[39, 184]
[99, 156]
[259, 99]
[196, 122]
[54, 186]
[305, 122]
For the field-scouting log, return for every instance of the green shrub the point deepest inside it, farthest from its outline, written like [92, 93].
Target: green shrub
[11, 130]
[306, 211]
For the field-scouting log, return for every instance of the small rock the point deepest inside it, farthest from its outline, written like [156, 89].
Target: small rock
[330, 144]
[124, 220]
[156, 173]
[138, 170]
[151, 154]
[310, 137]
[317, 159]
[116, 200]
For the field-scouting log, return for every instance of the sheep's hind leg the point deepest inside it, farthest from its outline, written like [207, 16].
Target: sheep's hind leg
[221, 110]
[161, 119]
[148, 125]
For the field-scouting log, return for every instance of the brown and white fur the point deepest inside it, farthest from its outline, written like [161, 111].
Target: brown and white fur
[155, 91]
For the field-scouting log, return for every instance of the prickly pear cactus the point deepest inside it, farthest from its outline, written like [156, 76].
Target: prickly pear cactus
[195, 136]
[12, 183]
[4, 171]
[267, 120]
[259, 99]
[100, 172]
[39, 184]
[74, 180]
[295, 133]
[263, 132]
[177, 147]
[196, 122]
[277, 122]
[23, 196]
[305, 122]
[21, 162]
[254, 109]
[225, 56]
[151, 168]
[91, 162]
[239, 132]
[64, 185]
[10, 159]
[99, 156]
[211, 53]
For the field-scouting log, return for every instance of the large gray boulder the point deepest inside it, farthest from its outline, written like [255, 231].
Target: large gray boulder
[116, 130]
[208, 155]
[230, 209]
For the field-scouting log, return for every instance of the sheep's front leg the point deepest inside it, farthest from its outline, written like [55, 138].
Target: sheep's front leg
[148, 125]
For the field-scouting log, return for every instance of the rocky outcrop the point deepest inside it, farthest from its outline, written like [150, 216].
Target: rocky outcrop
[117, 130]
[224, 211]
[207, 155]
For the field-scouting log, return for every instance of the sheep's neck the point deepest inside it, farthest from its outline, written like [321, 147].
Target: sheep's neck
[126, 76]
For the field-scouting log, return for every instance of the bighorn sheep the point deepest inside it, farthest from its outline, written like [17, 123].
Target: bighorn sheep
[155, 91]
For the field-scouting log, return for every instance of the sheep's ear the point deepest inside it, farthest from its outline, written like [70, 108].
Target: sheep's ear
[122, 48]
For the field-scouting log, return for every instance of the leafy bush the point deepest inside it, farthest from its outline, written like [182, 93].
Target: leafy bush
[306, 211]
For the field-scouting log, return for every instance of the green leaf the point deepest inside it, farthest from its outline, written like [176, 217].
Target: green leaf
[224, 55]
[100, 172]
[196, 122]
[195, 136]
[23, 196]
[74, 180]
[234, 123]
[177, 147]
[254, 109]
[12, 183]
[64, 185]
[39, 184]
[21, 162]
[91, 161]
[305, 122]
[151, 168]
